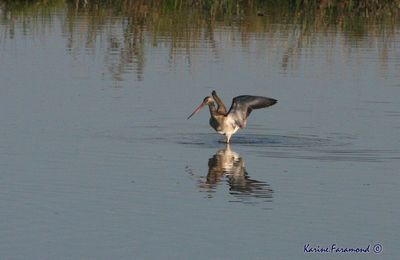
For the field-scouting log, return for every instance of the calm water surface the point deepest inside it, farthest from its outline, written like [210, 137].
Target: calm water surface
[98, 160]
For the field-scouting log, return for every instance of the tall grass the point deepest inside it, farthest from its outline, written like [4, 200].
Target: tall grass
[182, 24]
[213, 7]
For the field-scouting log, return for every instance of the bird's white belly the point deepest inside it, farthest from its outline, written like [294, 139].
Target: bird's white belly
[229, 131]
[230, 127]
[226, 127]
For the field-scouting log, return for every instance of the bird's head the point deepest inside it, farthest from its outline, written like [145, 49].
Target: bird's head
[207, 101]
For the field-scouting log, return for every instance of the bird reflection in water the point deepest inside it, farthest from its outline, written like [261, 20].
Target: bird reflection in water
[227, 165]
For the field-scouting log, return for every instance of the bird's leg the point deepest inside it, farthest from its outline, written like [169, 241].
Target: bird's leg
[228, 138]
[228, 147]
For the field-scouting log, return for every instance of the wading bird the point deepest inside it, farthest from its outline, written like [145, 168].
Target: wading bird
[227, 123]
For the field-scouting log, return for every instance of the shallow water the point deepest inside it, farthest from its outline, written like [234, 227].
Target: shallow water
[98, 160]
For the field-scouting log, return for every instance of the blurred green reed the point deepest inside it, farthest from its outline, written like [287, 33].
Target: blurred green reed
[363, 8]
[184, 24]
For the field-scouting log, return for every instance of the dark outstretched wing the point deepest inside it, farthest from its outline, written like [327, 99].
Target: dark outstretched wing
[243, 105]
[221, 106]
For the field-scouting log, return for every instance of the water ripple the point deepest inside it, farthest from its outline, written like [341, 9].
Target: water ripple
[253, 140]
[308, 147]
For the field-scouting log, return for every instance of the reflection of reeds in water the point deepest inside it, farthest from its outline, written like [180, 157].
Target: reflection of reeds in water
[130, 27]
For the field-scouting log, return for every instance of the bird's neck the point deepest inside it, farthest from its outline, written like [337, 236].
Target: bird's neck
[213, 110]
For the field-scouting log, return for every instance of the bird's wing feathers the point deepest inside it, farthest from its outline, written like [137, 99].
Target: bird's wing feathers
[243, 105]
[221, 106]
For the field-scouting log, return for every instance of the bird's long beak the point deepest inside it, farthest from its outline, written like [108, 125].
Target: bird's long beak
[197, 109]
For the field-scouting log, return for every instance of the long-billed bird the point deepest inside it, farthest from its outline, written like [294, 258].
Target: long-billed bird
[227, 123]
